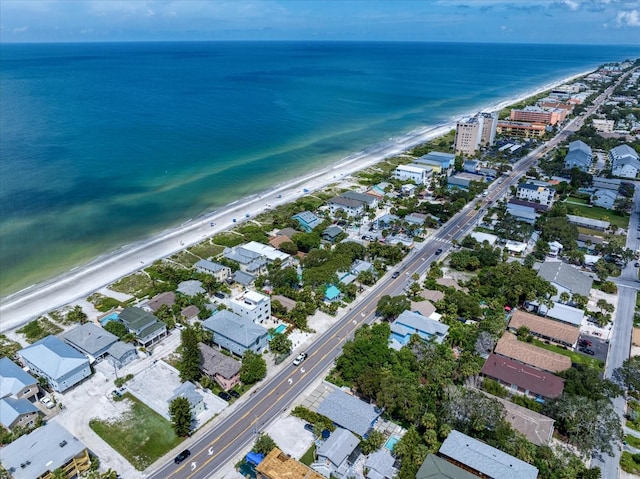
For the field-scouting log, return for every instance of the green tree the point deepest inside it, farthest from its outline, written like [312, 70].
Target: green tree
[629, 373]
[280, 344]
[580, 301]
[117, 328]
[77, 315]
[253, 369]
[390, 307]
[190, 356]
[264, 444]
[373, 442]
[181, 417]
[58, 474]
[411, 452]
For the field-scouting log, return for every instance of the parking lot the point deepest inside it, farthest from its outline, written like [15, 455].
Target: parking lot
[598, 346]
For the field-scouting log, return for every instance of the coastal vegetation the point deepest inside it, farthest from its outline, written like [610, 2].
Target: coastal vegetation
[103, 303]
[141, 435]
[38, 329]
[8, 347]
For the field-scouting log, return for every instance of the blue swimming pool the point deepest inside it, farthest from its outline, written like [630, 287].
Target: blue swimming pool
[106, 319]
[391, 442]
[281, 329]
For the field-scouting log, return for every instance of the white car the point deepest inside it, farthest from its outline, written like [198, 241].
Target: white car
[299, 358]
[48, 402]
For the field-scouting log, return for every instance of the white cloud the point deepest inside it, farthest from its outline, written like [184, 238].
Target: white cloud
[21, 29]
[629, 18]
[572, 4]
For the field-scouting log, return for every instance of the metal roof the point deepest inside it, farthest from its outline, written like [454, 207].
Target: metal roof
[89, 339]
[485, 459]
[435, 467]
[349, 412]
[53, 357]
[45, 449]
[12, 408]
[566, 276]
[236, 328]
[13, 378]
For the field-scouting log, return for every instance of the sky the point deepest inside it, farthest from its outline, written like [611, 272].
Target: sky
[496, 21]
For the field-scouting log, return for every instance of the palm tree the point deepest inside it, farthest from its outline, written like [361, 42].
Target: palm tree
[564, 297]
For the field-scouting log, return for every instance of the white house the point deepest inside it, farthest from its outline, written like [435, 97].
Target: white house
[217, 270]
[252, 305]
[624, 161]
[419, 174]
[350, 207]
[536, 193]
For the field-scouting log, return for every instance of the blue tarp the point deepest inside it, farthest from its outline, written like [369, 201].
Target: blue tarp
[254, 458]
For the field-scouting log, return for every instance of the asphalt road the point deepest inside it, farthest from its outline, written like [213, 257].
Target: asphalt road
[221, 444]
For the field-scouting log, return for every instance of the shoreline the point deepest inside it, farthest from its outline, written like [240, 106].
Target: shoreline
[80, 281]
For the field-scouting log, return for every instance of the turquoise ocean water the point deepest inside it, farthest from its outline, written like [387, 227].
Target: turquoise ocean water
[104, 144]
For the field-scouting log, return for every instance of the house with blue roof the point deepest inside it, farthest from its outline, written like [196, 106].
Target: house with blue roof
[307, 220]
[17, 412]
[219, 271]
[410, 323]
[16, 382]
[349, 412]
[237, 334]
[62, 366]
[579, 156]
[444, 161]
[332, 293]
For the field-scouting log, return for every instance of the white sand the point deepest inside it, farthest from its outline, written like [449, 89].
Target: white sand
[21, 307]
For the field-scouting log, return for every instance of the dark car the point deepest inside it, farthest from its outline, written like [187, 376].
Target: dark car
[439, 250]
[182, 456]
[637, 265]
[219, 295]
[224, 395]
[588, 351]
[235, 394]
[585, 342]
[395, 275]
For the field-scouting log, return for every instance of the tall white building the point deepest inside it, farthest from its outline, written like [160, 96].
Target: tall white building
[252, 305]
[536, 193]
[475, 131]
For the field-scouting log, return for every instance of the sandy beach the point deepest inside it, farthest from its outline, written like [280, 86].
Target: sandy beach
[80, 282]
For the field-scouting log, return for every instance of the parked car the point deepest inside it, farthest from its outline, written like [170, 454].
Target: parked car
[116, 393]
[48, 402]
[299, 358]
[182, 456]
[224, 395]
[585, 342]
[395, 275]
[234, 393]
[588, 351]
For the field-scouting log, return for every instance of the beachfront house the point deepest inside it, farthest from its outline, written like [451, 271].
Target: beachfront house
[351, 208]
[307, 221]
[62, 366]
[91, 340]
[439, 161]
[219, 271]
[147, 329]
[236, 334]
[419, 173]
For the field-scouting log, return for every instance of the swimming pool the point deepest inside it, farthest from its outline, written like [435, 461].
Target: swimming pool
[106, 319]
[391, 442]
[281, 329]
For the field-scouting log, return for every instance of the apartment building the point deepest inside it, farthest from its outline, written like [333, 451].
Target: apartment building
[536, 193]
[536, 114]
[252, 305]
[475, 131]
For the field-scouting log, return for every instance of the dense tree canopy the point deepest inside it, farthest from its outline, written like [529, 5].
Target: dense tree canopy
[181, 417]
[253, 369]
[390, 307]
[190, 356]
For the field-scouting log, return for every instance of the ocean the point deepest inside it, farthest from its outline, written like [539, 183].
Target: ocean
[104, 144]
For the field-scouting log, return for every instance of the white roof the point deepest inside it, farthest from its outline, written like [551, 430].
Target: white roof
[564, 313]
[482, 237]
[266, 250]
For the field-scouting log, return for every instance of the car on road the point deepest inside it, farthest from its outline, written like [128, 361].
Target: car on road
[395, 274]
[439, 250]
[48, 402]
[234, 393]
[299, 358]
[182, 456]
[224, 395]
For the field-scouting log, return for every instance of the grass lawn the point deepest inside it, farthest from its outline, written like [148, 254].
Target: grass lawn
[633, 441]
[629, 464]
[576, 357]
[141, 435]
[598, 213]
[577, 201]
[309, 456]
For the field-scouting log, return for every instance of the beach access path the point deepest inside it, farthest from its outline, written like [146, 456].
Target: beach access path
[25, 305]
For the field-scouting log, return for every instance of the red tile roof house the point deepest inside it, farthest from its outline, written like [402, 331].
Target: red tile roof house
[522, 379]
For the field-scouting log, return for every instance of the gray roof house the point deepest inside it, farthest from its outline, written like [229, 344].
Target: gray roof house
[349, 206]
[121, 353]
[565, 278]
[17, 412]
[91, 340]
[188, 390]
[44, 450]
[370, 201]
[474, 455]
[147, 328]
[217, 270]
[410, 323]
[245, 279]
[360, 266]
[380, 465]
[222, 368]
[60, 364]
[251, 262]
[624, 161]
[332, 454]
[15, 381]
[349, 412]
[331, 233]
[192, 287]
[579, 156]
[604, 198]
[235, 333]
